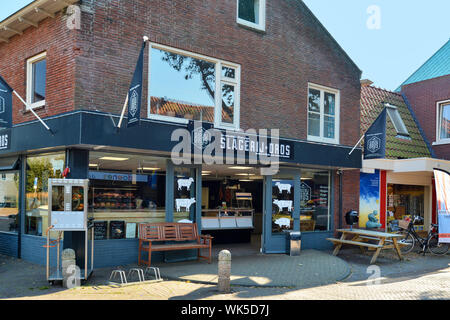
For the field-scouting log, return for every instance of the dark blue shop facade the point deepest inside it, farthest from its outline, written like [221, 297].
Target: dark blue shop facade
[133, 180]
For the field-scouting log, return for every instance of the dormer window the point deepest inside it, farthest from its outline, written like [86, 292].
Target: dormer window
[397, 121]
[252, 13]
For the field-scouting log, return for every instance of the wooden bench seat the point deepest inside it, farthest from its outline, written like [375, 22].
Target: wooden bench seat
[170, 236]
[357, 243]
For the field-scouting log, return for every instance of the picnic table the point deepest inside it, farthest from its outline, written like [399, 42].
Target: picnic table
[361, 238]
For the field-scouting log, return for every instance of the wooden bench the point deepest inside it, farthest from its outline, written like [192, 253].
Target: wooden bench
[181, 236]
[356, 243]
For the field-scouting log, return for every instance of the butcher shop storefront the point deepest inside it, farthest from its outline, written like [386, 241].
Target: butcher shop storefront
[246, 203]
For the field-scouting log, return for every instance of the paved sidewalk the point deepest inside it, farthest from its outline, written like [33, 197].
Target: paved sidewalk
[311, 268]
[417, 277]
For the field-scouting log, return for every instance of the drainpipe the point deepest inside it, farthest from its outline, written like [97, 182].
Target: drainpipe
[340, 173]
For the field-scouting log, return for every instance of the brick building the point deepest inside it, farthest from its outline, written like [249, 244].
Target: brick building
[428, 92]
[234, 65]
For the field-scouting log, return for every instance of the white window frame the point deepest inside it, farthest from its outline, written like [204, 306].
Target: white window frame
[403, 131]
[218, 93]
[438, 140]
[261, 25]
[337, 117]
[30, 62]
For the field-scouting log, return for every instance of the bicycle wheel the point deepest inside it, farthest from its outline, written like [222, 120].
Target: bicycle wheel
[406, 243]
[436, 247]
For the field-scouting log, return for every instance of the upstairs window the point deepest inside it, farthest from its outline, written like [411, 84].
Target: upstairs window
[323, 114]
[443, 122]
[36, 80]
[397, 121]
[186, 86]
[252, 13]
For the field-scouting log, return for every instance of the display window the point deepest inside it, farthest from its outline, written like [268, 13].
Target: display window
[9, 202]
[404, 202]
[184, 195]
[315, 200]
[39, 170]
[125, 190]
[282, 203]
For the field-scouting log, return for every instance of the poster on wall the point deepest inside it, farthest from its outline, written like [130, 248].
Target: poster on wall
[369, 200]
[442, 181]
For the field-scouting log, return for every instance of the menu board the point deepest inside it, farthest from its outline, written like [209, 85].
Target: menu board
[131, 230]
[117, 229]
[100, 228]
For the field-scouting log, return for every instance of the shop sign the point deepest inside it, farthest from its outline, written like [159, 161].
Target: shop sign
[5, 139]
[250, 144]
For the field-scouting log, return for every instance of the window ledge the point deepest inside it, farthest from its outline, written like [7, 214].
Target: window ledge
[322, 140]
[441, 142]
[251, 26]
[36, 108]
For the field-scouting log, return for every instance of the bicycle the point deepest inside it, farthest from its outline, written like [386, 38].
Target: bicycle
[431, 242]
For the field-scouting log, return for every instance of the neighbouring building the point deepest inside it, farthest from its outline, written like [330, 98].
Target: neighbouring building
[234, 65]
[428, 92]
[402, 183]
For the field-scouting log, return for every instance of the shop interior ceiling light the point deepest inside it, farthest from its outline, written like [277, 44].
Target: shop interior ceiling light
[113, 159]
[151, 169]
[245, 174]
[241, 168]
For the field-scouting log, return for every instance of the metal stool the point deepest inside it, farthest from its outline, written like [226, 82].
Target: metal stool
[139, 272]
[121, 273]
[156, 271]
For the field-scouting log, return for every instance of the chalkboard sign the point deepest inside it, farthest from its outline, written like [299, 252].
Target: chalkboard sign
[100, 228]
[117, 229]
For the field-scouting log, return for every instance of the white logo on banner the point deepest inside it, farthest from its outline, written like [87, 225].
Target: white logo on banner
[134, 103]
[374, 144]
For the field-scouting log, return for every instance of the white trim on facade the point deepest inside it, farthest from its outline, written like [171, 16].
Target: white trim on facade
[30, 62]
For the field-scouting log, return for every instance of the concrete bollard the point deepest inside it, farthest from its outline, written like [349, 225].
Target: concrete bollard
[224, 271]
[70, 270]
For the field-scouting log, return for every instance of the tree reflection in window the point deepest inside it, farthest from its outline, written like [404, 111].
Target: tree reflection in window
[191, 98]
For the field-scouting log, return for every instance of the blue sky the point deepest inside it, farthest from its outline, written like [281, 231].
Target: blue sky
[410, 32]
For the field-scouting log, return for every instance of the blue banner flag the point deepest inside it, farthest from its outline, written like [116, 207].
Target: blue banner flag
[375, 138]
[5, 104]
[135, 92]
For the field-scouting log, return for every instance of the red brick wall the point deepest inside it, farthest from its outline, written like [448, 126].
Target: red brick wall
[53, 37]
[276, 65]
[423, 97]
[350, 195]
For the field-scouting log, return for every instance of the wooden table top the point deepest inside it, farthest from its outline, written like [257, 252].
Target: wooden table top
[371, 233]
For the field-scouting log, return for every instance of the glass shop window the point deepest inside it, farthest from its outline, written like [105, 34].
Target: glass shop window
[315, 200]
[125, 191]
[282, 203]
[184, 195]
[9, 202]
[39, 170]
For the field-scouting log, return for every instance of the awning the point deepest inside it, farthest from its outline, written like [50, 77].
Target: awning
[407, 165]
[7, 164]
